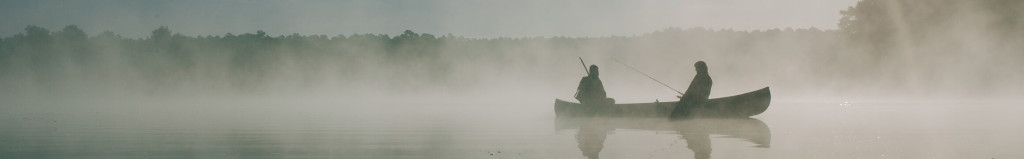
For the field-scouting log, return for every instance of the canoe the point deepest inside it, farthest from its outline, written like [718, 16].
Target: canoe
[738, 106]
[748, 129]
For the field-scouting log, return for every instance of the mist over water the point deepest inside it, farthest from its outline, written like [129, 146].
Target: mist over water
[909, 78]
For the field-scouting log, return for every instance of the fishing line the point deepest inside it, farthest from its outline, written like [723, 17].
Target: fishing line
[652, 78]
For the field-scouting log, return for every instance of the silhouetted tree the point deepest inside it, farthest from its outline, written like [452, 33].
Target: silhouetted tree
[161, 34]
[889, 23]
[248, 60]
[72, 33]
[37, 35]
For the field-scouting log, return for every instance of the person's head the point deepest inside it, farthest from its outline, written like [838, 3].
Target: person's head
[593, 71]
[701, 66]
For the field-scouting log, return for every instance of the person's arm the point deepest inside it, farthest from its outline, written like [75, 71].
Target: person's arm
[691, 90]
[581, 89]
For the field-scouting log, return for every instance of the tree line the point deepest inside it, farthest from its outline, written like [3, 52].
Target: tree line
[874, 41]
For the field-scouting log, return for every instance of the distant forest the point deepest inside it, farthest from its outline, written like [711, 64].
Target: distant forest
[906, 43]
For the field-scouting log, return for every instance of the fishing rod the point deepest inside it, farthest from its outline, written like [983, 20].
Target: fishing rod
[652, 78]
[584, 66]
[584, 69]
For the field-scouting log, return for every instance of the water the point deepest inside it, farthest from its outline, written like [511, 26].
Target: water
[516, 130]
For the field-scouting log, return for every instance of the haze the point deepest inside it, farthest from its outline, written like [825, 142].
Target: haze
[433, 70]
[134, 19]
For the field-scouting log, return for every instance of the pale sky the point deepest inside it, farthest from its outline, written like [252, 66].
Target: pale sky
[470, 18]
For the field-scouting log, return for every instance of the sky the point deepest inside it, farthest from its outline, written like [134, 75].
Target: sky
[477, 18]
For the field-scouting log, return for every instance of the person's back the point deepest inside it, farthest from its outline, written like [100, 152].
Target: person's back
[700, 87]
[591, 89]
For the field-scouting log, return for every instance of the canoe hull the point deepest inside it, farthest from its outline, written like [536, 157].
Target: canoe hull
[738, 106]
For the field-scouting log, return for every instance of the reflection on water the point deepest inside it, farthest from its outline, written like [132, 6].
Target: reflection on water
[593, 131]
[517, 130]
[591, 137]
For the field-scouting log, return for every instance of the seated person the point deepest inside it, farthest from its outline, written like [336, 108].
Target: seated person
[696, 94]
[591, 90]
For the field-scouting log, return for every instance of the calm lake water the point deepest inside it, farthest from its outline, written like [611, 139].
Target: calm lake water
[520, 130]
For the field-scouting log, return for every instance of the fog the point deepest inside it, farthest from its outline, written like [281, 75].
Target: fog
[878, 51]
[478, 19]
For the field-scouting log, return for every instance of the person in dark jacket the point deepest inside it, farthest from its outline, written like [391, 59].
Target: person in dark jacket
[696, 94]
[700, 87]
[591, 90]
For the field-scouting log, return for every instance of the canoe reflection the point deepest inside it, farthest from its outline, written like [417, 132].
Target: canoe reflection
[592, 131]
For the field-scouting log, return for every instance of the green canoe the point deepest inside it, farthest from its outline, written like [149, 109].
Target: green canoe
[738, 106]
